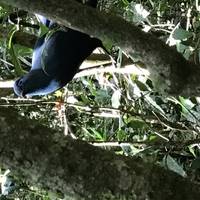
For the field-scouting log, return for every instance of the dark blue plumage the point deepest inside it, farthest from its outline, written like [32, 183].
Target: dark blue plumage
[56, 59]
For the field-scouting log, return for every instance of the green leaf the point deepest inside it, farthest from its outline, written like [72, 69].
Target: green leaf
[18, 68]
[97, 135]
[154, 104]
[142, 86]
[181, 34]
[137, 123]
[186, 104]
[181, 47]
[173, 165]
[121, 135]
[191, 150]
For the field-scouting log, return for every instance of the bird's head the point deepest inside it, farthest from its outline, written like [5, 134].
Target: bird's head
[35, 83]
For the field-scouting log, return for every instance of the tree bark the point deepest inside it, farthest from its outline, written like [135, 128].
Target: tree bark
[170, 72]
[46, 158]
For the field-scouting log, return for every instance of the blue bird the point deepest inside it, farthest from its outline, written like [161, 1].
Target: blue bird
[56, 59]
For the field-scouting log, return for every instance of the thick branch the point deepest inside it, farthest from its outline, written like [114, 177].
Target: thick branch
[169, 70]
[50, 160]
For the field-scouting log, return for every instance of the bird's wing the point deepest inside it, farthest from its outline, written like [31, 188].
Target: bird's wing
[52, 55]
[37, 53]
[64, 51]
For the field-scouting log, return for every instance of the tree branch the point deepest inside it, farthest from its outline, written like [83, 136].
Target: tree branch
[170, 72]
[50, 160]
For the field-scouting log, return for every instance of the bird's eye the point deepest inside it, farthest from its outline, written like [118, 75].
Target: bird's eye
[20, 83]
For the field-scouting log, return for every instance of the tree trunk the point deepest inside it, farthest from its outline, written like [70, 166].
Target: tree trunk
[47, 159]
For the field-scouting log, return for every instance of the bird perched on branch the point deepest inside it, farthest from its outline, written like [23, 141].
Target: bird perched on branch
[57, 56]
